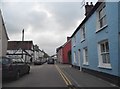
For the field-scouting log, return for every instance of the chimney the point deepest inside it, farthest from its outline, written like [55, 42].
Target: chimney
[68, 38]
[88, 8]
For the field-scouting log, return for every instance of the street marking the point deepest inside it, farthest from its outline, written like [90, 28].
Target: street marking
[62, 76]
[66, 80]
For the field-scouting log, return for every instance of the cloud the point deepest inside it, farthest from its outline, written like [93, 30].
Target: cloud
[47, 24]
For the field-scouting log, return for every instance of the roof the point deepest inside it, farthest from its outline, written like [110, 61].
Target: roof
[59, 48]
[15, 45]
[3, 25]
[87, 17]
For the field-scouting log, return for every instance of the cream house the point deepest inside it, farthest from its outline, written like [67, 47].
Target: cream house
[3, 37]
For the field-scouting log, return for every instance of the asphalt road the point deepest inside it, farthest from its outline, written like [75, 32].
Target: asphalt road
[57, 75]
[45, 75]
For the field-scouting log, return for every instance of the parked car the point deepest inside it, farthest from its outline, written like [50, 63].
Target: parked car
[14, 67]
[38, 62]
[50, 61]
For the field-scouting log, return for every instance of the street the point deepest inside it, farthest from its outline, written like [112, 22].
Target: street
[40, 76]
[56, 75]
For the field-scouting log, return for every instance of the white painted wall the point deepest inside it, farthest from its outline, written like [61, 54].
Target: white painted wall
[3, 38]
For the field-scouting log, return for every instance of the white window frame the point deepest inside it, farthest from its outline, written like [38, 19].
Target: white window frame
[100, 55]
[101, 18]
[74, 41]
[74, 61]
[85, 56]
[83, 33]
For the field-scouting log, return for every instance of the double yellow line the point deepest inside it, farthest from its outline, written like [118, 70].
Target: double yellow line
[67, 81]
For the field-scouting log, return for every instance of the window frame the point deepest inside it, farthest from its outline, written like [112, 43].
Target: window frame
[102, 18]
[101, 63]
[85, 56]
[83, 33]
[74, 61]
[74, 41]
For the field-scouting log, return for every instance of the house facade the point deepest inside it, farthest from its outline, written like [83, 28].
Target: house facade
[96, 42]
[59, 54]
[38, 54]
[22, 49]
[67, 51]
[3, 37]
[64, 52]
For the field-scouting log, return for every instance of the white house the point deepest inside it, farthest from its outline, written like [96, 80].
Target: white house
[22, 49]
[38, 54]
[3, 37]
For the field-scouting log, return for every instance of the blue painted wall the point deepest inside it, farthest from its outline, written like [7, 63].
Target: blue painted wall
[93, 37]
[119, 36]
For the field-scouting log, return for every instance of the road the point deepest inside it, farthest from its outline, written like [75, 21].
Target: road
[49, 75]
[40, 76]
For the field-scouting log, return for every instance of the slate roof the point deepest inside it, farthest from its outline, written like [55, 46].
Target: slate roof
[15, 45]
[87, 17]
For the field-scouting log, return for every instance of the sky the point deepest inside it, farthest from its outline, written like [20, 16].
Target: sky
[47, 24]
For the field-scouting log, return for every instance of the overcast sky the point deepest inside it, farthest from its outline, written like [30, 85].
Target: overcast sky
[46, 23]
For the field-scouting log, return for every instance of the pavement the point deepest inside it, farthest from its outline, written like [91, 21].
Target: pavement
[82, 79]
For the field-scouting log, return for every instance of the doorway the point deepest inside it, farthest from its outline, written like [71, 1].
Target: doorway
[79, 59]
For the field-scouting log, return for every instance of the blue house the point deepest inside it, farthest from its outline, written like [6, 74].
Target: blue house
[96, 41]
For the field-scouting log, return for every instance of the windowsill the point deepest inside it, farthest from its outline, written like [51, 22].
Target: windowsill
[98, 30]
[85, 64]
[82, 40]
[105, 67]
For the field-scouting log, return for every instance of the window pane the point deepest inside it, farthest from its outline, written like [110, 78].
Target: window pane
[5, 61]
[83, 32]
[107, 58]
[107, 47]
[104, 58]
[104, 20]
[102, 48]
[86, 55]
[102, 12]
[101, 23]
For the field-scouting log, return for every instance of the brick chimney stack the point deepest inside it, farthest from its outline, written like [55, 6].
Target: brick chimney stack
[88, 8]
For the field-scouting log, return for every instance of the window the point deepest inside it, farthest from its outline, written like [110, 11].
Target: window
[74, 41]
[74, 58]
[101, 17]
[104, 57]
[83, 33]
[85, 54]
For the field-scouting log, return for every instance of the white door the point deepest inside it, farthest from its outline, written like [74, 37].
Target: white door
[79, 60]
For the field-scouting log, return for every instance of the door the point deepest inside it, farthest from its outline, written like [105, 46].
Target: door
[79, 60]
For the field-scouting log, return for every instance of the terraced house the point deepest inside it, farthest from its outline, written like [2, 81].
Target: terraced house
[96, 41]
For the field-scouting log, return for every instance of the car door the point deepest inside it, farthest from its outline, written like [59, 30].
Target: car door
[25, 66]
[20, 66]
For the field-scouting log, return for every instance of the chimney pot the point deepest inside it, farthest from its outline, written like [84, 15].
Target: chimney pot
[91, 3]
[88, 8]
[86, 3]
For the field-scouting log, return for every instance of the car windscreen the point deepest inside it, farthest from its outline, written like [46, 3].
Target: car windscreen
[5, 60]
